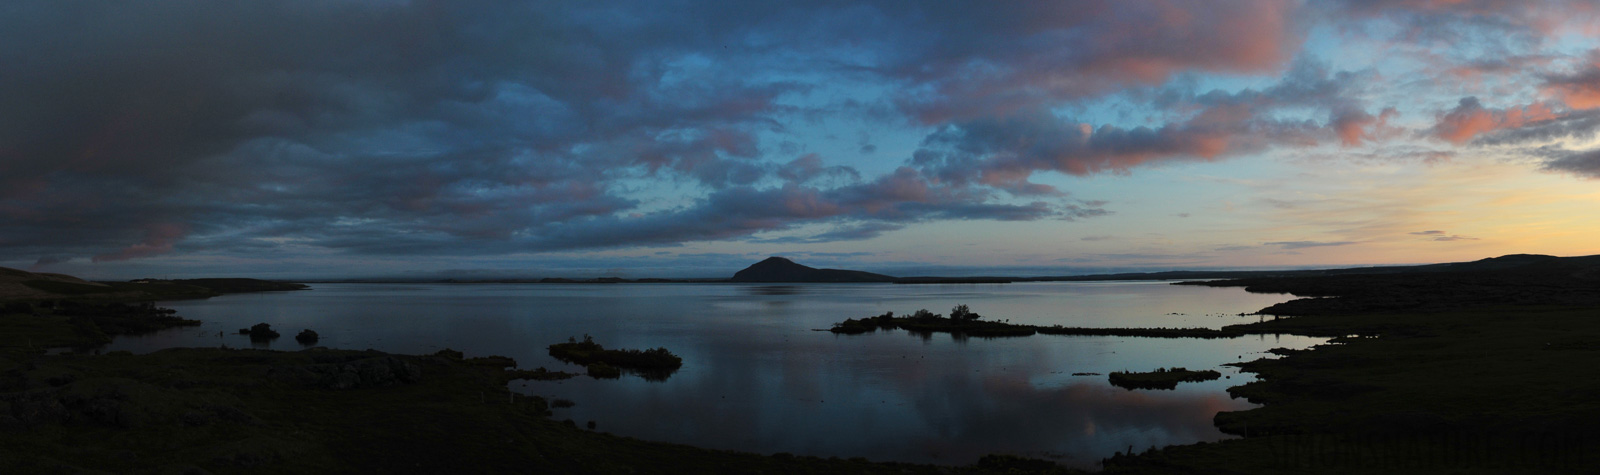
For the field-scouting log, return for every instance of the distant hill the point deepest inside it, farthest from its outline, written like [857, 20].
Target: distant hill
[18, 284]
[21, 284]
[1517, 279]
[778, 269]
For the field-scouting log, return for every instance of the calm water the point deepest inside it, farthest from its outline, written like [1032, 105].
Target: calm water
[756, 377]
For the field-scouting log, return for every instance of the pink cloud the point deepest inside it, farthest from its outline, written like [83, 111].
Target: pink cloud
[1357, 127]
[158, 240]
[1579, 90]
[1017, 58]
[1470, 119]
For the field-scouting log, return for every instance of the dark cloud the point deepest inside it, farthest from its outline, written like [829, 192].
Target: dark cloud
[1582, 163]
[1436, 235]
[1004, 151]
[278, 127]
[134, 131]
[854, 232]
[810, 166]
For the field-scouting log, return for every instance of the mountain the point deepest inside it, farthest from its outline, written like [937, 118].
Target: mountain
[778, 269]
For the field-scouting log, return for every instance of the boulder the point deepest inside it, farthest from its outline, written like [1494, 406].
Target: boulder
[262, 331]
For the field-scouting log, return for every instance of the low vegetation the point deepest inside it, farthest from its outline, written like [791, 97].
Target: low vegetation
[1161, 378]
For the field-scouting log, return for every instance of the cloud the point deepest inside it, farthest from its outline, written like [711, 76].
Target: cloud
[1469, 119]
[1581, 163]
[1306, 244]
[966, 63]
[496, 126]
[1004, 151]
[855, 232]
[810, 166]
[158, 240]
[1436, 235]
[489, 127]
[1450, 22]
[1578, 89]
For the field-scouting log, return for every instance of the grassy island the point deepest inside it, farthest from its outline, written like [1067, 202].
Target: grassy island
[962, 321]
[656, 363]
[1161, 378]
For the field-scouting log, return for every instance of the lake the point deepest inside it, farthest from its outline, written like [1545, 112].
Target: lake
[757, 377]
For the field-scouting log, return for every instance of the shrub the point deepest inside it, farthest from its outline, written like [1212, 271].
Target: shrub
[962, 313]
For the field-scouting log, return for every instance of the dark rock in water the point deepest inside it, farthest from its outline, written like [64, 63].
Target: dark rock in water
[306, 336]
[778, 269]
[262, 331]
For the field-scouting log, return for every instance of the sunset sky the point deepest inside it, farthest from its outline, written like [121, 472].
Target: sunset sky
[351, 138]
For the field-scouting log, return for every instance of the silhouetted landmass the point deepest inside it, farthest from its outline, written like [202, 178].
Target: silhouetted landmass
[20, 284]
[1475, 358]
[1520, 279]
[653, 364]
[260, 332]
[1161, 378]
[237, 285]
[928, 322]
[778, 269]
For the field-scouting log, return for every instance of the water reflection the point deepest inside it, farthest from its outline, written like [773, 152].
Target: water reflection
[945, 403]
[756, 377]
[773, 289]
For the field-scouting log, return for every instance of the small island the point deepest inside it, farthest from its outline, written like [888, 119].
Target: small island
[652, 364]
[1161, 378]
[962, 321]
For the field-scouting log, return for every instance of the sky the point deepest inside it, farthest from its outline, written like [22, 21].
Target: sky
[364, 138]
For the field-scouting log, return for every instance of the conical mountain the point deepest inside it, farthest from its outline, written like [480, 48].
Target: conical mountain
[778, 269]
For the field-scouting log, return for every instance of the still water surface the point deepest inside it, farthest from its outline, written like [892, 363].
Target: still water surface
[756, 377]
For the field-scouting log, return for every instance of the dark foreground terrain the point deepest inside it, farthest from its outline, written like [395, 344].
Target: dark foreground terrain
[221, 410]
[1487, 372]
